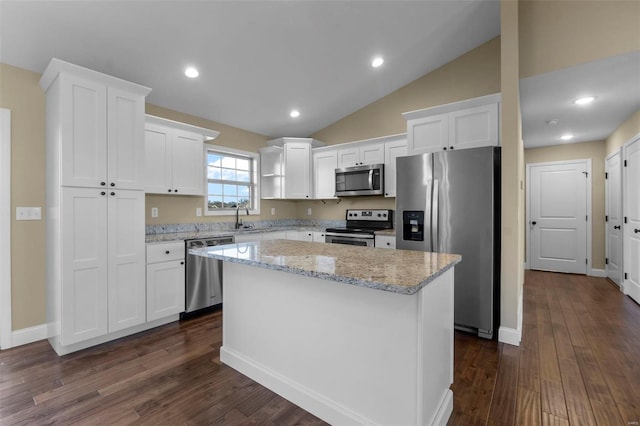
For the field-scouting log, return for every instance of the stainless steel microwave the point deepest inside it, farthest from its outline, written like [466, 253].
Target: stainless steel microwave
[360, 180]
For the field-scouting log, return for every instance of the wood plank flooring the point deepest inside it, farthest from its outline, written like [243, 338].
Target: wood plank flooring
[578, 364]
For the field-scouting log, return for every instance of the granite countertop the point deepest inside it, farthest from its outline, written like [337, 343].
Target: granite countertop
[386, 232]
[397, 271]
[188, 235]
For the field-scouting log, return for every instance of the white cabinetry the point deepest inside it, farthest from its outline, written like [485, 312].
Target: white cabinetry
[392, 150]
[385, 241]
[243, 238]
[174, 157]
[318, 237]
[165, 279]
[95, 205]
[467, 124]
[360, 154]
[271, 162]
[274, 235]
[325, 162]
[297, 166]
[287, 166]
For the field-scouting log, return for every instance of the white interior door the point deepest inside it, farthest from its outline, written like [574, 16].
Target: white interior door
[558, 216]
[613, 207]
[631, 225]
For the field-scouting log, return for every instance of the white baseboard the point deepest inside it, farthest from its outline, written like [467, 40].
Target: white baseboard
[510, 336]
[28, 335]
[601, 273]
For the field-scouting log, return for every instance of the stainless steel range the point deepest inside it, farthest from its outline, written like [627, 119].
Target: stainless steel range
[361, 227]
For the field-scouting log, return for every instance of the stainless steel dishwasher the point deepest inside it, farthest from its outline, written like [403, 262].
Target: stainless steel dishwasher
[203, 275]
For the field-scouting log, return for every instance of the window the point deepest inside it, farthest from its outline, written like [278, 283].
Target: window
[232, 181]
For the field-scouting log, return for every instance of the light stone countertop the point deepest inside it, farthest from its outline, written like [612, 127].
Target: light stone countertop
[386, 232]
[397, 271]
[177, 236]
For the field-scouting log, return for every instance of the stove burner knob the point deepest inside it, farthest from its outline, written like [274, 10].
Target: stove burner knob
[379, 215]
[384, 215]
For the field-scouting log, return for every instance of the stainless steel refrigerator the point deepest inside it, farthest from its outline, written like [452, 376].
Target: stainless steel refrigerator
[449, 202]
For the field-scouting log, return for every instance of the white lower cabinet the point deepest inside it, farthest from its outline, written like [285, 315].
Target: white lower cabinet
[275, 235]
[318, 237]
[165, 279]
[385, 241]
[101, 279]
[243, 238]
[299, 235]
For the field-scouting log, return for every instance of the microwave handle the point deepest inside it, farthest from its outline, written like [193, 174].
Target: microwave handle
[371, 179]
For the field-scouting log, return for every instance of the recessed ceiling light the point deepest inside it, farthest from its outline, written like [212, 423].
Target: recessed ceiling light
[566, 137]
[191, 72]
[552, 122]
[377, 61]
[586, 100]
[294, 113]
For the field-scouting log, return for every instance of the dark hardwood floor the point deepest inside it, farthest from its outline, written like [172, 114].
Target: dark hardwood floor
[578, 364]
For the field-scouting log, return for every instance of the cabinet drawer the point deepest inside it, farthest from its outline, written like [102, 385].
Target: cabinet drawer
[160, 252]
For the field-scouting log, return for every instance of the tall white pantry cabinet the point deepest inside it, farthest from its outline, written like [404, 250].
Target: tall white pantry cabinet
[95, 206]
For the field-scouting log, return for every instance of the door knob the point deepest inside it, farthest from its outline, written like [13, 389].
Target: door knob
[534, 222]
[616, 227]
[635, 231]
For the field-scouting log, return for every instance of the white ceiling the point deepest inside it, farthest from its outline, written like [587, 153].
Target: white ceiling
[257, 59]
[615, 82]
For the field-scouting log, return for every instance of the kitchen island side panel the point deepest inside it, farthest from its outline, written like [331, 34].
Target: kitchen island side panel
[347, 354]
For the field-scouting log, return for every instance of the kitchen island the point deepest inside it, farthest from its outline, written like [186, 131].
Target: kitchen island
[354, 335]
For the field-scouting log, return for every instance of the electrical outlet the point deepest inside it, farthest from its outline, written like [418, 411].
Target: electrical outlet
[273, 211]
[199, 211]
[28, 213]
[309, 211]
[154, 212]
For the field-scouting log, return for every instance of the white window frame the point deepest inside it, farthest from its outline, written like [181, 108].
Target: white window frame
[253, 156]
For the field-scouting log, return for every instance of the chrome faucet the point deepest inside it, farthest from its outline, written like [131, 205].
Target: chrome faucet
[238, 221]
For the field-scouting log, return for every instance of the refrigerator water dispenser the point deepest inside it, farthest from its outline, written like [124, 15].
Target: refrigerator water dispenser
[413, 225]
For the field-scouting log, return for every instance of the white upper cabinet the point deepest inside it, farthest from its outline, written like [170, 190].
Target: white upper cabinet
[467, 124]
[271, 177]
[360, 154]
[174, 157]
[297, 166]
[100, 129]
[286, 168]
[325, 162]
[392, 150]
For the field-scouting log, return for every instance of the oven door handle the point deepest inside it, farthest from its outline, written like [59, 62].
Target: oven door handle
[346, 235]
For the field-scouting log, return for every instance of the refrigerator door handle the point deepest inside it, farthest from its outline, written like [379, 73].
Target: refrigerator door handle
[435, 235]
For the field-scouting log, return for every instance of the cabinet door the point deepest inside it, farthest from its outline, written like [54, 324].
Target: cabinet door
[384, 241]
[187, 166]
[165, 289]
[297, 159]
[372, 153]
[348, 157]
[83, 118]
[474, 127]
[83, 303]
[276, 235]
[324, 174]
[126, 254]
[157, 161]
[427, 134]
[244, 238]
[392, 150]
[125, 139]
[318, 237]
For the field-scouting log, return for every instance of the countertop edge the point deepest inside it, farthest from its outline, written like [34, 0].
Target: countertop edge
[376, 285]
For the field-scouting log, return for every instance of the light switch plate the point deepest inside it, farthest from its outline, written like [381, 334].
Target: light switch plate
[28, 213]
[199, 211]
[309, 211]
[154, 212]
[273, 210]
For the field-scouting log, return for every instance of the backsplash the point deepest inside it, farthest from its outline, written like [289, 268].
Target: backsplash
[230, 226]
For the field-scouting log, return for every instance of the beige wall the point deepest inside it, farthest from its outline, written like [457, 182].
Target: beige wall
[559, 34]
[596, 152]
[512, 230]
[476, 73]
[628, 129]
[19, 92]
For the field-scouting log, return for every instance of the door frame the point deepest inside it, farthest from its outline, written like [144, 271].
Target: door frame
[607, 208]
[587, 163]
[5, 229]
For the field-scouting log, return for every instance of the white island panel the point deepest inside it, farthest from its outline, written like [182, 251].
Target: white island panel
[347, 354]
